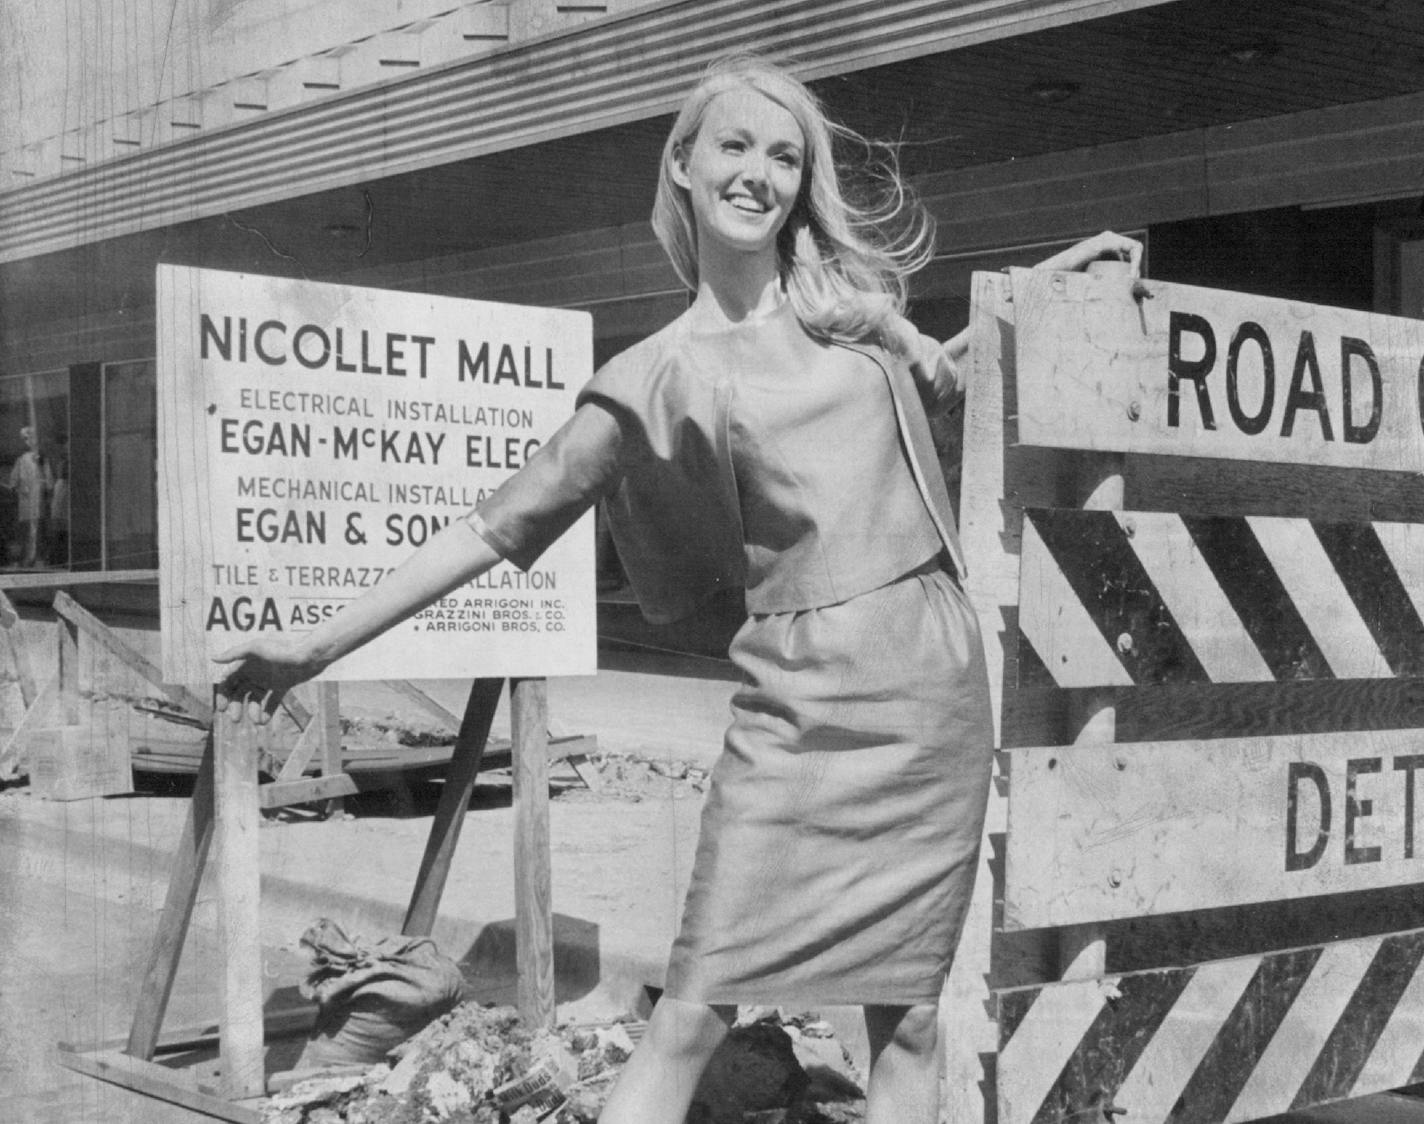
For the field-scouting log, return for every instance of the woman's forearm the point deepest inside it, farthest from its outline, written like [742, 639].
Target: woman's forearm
[450, 559]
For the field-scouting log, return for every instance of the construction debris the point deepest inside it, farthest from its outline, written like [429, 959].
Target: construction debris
[481, 1065]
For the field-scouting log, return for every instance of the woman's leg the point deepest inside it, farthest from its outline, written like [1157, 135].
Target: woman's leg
[904, 1065]
[657, 1084]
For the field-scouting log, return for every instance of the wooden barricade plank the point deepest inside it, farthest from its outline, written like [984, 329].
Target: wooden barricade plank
[1206, 373]
[1133, 830]
[1145, 598]
[1228, 1040]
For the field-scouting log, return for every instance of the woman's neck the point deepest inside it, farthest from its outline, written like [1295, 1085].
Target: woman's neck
[729, 292]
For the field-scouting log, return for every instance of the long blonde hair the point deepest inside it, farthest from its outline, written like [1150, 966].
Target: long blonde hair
[844, 262]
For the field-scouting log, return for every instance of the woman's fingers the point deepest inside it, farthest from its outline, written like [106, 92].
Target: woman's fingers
[1121, 247]
[256, 685]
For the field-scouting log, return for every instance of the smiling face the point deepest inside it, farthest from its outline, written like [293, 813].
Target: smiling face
[742, 172]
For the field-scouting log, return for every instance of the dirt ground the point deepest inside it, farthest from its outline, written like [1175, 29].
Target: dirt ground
[90, 876]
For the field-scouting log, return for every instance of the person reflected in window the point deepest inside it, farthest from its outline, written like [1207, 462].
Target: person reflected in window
[31, 481]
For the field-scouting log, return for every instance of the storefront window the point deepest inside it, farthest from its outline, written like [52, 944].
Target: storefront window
[130, 487]
[34, 442]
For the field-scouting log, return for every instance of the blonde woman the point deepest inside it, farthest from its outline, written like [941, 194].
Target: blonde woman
[773, 439]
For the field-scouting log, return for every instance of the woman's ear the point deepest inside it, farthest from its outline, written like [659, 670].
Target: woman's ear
[677, 167]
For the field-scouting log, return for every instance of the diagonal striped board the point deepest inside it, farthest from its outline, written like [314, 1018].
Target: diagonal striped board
[1222, 1041]
[1145, 598]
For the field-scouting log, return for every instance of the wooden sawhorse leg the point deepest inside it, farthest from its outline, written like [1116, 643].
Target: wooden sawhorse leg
[183, 879]
[450, 812]
[534, 923]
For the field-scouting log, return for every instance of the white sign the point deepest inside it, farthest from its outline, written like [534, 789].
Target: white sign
[311, 436]
[1179, 370]
[1107, 832]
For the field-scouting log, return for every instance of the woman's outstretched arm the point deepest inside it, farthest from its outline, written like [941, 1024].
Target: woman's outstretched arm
[528, 512]
[266, 668]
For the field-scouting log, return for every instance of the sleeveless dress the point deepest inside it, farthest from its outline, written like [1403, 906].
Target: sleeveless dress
[840, 834]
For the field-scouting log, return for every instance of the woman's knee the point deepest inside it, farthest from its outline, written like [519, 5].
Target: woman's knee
[679, 1027]
[909, 1030]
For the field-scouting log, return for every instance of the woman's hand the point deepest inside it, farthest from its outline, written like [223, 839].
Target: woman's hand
[266, 670]
[1113, 247]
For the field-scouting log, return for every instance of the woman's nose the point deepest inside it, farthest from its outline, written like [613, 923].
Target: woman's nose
[754, 167]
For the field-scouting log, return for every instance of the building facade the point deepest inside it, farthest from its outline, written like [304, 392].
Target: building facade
[508, 150]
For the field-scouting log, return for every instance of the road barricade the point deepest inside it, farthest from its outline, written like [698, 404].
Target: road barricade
[1195, 530]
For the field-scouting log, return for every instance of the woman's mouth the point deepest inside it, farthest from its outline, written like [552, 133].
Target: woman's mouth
[747, 204]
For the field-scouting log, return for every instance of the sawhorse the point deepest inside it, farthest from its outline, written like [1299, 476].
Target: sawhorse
[223, 818]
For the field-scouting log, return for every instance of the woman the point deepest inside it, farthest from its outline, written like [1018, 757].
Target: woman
[771, 439]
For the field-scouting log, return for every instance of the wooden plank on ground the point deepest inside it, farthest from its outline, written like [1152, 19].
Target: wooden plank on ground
[1154, 598]
[1109, 832]
[1205, 373]
[1226, 1040]
[154, 1080]
[533, 876]
[332, 786]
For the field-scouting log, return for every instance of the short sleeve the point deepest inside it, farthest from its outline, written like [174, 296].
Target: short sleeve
[567, 476]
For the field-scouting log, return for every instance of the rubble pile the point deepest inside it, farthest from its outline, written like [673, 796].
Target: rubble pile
[481, 1065]
[629, 777]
